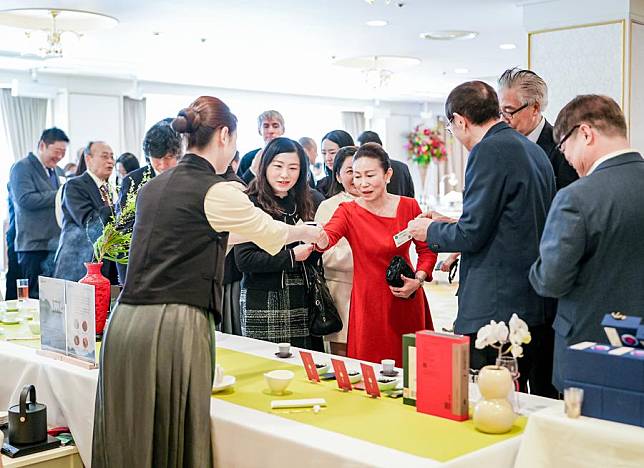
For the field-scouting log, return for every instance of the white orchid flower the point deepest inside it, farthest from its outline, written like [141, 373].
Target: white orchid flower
[491, 334]
[501, 332]
[516, 350]
[519, 332]
[484, 337]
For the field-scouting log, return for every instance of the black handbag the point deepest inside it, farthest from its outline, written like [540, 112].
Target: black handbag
[398, 266]
[324, 318]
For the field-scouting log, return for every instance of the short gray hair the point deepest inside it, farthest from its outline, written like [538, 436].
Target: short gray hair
[307, 142]
[268, 115]
[530, 86]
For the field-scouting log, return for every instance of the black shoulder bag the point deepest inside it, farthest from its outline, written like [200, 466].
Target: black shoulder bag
[323, 315]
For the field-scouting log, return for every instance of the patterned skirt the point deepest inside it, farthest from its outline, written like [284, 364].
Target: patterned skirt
[277, 316]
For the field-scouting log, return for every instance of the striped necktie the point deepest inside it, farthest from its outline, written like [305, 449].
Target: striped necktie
[105, 195]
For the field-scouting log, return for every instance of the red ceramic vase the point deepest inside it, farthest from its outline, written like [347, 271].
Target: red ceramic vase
[101, 293]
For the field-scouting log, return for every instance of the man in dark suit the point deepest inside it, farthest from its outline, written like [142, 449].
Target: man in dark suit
[591, 253]
[162, 149]
[523, 96]
[33, 183]
[87, 206]
[270, 125]
[509, 186]
[401, 182]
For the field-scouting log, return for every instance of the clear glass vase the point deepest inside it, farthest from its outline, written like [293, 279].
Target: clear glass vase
[512, 365]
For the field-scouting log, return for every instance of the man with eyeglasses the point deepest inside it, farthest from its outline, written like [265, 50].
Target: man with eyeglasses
[592, 252]
[509, 186]
[33, 184]
[87, 205]
[523, 96]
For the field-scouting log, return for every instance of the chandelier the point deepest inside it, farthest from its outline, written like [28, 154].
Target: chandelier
[49, 31]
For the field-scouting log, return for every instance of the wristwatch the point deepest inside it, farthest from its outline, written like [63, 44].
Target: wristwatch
[421, 281]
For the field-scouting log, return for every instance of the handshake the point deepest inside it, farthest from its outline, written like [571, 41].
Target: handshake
[418, 227]
[313, 235]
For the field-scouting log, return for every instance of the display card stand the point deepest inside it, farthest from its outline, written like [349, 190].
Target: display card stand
[68, 359]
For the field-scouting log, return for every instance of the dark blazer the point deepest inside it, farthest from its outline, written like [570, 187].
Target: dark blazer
[565, 174]
[401, 182]
[133, 179]
[509, 186]
[34, 200]
[592, 254]
[84, 215]
[246, 161]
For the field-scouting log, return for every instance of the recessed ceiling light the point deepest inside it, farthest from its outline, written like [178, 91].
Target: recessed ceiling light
[448, 35]
[377, 23]
[507, 46]
[461, 71]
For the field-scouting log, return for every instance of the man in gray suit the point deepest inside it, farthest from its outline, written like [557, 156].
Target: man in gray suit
[592, 252]
[33, 183]
[509, 185]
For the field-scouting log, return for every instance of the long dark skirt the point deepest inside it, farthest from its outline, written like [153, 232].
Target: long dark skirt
[230, 321]
[277, 316]
[153, 396]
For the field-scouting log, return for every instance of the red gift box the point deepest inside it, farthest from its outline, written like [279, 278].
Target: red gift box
[442, 369]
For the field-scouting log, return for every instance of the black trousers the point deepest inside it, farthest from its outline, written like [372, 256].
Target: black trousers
[535, 366]
[13, 273]
[33, 264]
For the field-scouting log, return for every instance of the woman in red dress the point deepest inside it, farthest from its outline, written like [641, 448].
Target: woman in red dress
[379, 314]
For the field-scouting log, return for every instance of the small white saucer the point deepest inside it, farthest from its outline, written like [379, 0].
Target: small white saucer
[227, 381]
[10, 321]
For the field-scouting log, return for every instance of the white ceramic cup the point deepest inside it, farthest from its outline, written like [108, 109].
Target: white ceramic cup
[284, 349]
[219, 374]
[388, 365]
[11, 316]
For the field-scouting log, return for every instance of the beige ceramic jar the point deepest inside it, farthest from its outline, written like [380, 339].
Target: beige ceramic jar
[494, 413]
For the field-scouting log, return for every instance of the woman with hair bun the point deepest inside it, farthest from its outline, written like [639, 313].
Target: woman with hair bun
[157, 359]
[379, 314]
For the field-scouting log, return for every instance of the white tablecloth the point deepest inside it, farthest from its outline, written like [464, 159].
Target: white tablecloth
[242, 437]
[552, 439]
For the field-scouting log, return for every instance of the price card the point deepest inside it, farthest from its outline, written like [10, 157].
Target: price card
[309, 366]
[370, 380]
[341, 375]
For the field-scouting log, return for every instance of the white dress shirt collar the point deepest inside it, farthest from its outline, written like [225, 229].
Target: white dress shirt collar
[99, 183]
[534, 135]
[612, 155]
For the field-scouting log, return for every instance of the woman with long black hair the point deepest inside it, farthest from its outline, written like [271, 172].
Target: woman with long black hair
[331, 144]
[274, 294]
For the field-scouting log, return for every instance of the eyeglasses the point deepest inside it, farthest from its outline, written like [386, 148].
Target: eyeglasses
[510, 114]
[566, 136]
[448, 127]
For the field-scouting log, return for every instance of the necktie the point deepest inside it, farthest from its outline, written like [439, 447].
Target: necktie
[53, 180]
[105, 195]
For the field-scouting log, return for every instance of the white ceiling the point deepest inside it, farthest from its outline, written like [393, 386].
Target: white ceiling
[286, 45]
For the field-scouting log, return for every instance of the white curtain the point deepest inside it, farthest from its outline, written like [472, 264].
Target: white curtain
[353, 122]
[133, 125]
[24, 120]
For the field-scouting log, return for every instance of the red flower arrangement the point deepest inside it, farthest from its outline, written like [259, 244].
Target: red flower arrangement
[424, 145]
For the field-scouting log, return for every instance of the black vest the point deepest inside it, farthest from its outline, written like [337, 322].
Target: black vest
[176, 257]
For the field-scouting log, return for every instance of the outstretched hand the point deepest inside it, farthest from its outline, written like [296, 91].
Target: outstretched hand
[418, 227]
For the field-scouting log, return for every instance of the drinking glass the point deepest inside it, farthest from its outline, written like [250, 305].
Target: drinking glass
[23, 289]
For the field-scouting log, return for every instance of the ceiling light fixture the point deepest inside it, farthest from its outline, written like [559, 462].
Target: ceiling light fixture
[508, 46]
[448, 35]
[377, 70]
[48, 29]
[377, 23]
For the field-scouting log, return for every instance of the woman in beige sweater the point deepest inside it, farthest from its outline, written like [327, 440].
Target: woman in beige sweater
[338, 261]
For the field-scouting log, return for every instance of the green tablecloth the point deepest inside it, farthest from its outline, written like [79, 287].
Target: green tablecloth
[385, 421]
